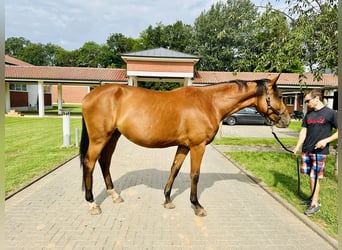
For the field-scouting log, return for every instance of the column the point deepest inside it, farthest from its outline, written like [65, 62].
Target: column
[187, 81]
[135, 81]
[330, 101]
[130, 81]
[59, 98]
[7, 97]
[41, 104]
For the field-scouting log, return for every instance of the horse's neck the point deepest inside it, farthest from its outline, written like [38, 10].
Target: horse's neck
[228, 98]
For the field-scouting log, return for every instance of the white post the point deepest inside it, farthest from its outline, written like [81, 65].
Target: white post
[66, 128]
[130, 81]
[7, 97]
[187, 81]
[41, 104]
[296, 102]
[135, 81]
[330, 101]
[59, 98]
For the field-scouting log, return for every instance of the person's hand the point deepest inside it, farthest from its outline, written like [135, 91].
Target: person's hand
[321, 144]
[295, 152]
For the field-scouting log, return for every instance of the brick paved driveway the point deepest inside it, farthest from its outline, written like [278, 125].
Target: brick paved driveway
[52, 213]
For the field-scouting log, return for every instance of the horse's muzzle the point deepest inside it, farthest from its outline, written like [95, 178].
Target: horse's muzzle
[284, 120]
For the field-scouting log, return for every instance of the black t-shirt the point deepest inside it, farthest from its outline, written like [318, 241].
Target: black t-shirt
[319, 125]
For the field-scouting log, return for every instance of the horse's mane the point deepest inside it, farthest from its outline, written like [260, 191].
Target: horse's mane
[243, 84]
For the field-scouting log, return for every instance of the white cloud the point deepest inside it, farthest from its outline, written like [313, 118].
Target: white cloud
[71, 23]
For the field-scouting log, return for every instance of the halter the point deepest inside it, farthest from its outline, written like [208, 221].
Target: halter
[269, 106]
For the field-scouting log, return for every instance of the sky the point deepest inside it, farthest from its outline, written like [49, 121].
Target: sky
[71, 23]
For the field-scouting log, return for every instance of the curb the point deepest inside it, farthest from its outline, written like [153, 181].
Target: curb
[293, 210]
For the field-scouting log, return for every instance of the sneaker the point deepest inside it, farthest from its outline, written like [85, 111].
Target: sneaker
[311, 210]
[308, 202]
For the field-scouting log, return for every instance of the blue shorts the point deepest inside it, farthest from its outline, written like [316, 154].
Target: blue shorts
[310, 167]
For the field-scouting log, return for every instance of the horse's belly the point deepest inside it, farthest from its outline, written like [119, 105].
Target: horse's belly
[151, 142]
[150, 137]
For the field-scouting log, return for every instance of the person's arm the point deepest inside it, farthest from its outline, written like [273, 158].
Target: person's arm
[301, 138]
[322, 143]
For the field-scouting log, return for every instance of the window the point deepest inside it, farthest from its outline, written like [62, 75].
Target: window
[18, 87]
[290, 100]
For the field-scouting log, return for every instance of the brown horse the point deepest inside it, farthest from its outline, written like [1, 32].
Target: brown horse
[186, 117]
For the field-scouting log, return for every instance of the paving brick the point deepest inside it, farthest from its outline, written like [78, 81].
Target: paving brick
[52, 213]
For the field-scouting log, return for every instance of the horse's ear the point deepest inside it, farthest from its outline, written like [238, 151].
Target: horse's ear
[274, 80]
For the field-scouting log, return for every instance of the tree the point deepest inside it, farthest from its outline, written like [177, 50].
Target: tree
[35, 54]
[222, 33]
[66, 58]
[176, 36]
[118, 44]
[316, 30]
[50, 53]
[89, 55]
[14, 46]
[271, 48]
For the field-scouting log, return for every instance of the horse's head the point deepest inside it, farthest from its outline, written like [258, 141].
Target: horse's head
[270, 103]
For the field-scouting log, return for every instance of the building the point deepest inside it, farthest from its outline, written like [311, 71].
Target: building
[38, 87]
[24, 96]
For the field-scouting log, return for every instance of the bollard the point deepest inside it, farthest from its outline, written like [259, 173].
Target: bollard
[66, 127]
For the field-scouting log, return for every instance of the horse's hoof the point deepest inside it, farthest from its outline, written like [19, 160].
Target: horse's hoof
[94, 209]
[169, 205]
[200, 212]
[118, 200]
[115, 196]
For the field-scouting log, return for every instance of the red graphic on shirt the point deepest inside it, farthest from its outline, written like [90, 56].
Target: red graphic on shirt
[320, 121]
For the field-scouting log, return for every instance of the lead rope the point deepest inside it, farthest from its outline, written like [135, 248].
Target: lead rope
[298, 170]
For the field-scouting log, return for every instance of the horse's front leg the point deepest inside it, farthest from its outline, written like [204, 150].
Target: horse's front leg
[196, 154]
[181, 153]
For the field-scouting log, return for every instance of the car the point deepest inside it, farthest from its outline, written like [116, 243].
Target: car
[247, 115]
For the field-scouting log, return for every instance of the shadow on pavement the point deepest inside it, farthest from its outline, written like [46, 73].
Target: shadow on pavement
[156, 179]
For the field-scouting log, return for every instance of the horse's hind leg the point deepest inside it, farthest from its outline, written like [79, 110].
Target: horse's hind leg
[177, 163]
[88, 169]
[196, 154]
[104, 161]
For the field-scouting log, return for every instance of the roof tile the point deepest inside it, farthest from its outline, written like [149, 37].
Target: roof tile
[65, 73]
[210, 77]
[98, 75]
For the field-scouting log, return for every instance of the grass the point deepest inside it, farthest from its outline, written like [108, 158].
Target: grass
[278, 170]
[75, 110]
[33, 146]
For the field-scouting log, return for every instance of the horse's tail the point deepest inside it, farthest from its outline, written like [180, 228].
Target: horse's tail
[84, 145]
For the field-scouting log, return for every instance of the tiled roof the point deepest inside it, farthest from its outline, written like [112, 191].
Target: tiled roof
[18, 70]
[210, 77]
[292, 79]
[160, 53]
[285, 79]
[14, 61]
[65, 73]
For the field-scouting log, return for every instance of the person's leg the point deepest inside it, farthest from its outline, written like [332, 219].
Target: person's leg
[305, 169]
[315, 197]
[317, 169]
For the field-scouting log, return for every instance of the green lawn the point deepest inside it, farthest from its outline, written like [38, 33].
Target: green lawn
[278, 170]
[75, 110]
[33, 146]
